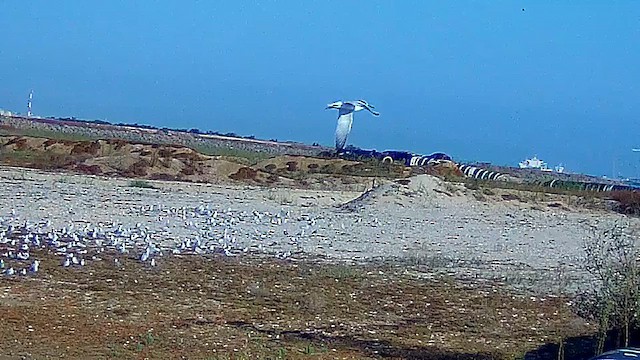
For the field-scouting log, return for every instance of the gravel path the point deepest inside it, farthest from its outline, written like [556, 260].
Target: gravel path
[419, 224]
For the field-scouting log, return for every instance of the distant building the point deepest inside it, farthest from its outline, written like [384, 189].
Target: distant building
[5, 112]
[535, 163]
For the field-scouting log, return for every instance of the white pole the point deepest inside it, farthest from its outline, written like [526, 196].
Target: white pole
[29, 103]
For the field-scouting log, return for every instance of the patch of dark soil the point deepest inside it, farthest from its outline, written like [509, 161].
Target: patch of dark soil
[49, 142]
[85, 148]
[19, 142]
[188, 170]
[273, 178]
[161, 176]
[244, 173]
[188, 156]
[138, 169]
[292, 166]
[510, 197]
[165, 152]
[54, 161]
[329, 169]
[117, 143]
[88, 169]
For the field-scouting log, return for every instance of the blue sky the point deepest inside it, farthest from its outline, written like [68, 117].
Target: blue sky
[479, 80]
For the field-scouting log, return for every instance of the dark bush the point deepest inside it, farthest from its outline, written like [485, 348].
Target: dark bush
[628, 201]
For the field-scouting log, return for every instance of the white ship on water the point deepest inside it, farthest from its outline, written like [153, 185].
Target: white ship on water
[535, 163]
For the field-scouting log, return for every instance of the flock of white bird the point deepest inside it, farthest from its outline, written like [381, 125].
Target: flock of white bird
[215, 231]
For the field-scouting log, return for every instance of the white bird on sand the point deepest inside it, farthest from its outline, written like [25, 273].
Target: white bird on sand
[121, 248]
[34, 266]
[145, 255]
[345, 118]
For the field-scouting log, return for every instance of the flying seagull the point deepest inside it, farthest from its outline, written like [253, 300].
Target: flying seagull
[345, 118]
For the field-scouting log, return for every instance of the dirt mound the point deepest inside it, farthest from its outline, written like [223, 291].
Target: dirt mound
[426, 189]
[173, 162]
[116, 158]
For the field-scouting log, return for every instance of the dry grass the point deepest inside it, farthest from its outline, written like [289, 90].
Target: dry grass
[248, 308]
[629, 201]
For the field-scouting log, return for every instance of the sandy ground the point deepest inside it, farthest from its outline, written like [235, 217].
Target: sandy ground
[222, 308]
[429, 225]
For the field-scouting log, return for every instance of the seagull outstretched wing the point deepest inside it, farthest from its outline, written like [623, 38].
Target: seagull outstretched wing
[368, 107]
[345, 118]
[344, 128]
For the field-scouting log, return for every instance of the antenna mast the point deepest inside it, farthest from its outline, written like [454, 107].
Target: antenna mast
[29, 103]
